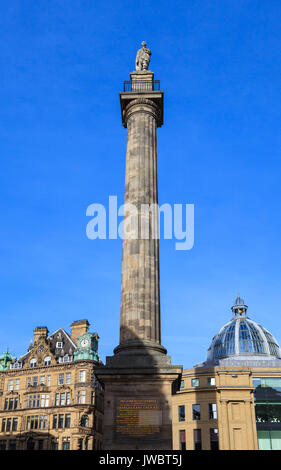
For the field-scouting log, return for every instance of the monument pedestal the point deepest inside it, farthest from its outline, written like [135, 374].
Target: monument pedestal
[138, 400]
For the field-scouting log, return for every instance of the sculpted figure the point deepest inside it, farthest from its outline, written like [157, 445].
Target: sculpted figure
[143, 57]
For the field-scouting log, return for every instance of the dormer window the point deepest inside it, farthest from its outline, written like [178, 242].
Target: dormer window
[59, 345]
[47, 361]
[33, 362]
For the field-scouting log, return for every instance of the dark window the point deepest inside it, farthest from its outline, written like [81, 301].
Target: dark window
[214, 439]
[67, 421]
[15, 424]
[196, 412]
[182, 440]
[6, 404]
[3, 425]
[85, 421]
[12, 445]
[40, 444]
[55, 421]
[2, 445]
[60, 421]
[16, 403]
[65, 445]
[197, 439]
[8, 427]
[11, 403]
[181, 413]
[30, 444]
[54, 444]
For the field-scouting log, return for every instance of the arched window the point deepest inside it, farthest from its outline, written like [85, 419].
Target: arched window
[85, 421]
[47, 361]
[33, 362]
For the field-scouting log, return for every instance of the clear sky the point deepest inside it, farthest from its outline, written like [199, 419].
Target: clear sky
[62, 147]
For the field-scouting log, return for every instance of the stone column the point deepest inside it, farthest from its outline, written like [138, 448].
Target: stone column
[140, 293]
[142, 113]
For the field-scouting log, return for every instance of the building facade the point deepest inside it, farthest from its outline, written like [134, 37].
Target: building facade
[50, 398]
[232, 401]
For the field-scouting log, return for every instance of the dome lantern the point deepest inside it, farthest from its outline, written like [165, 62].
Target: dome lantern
[239, 308]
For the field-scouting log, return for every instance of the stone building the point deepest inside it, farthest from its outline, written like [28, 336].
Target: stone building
[50, 397]
[232, 401]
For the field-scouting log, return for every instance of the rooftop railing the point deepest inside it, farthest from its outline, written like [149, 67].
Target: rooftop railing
[141, 85]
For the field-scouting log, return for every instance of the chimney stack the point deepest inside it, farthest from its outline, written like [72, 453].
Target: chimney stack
[78, 328]
[40, 331]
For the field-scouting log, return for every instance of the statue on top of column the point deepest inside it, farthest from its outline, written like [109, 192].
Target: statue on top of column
[143, 58]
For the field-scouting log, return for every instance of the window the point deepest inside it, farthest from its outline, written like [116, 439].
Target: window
[212, 411]
[61, 379]
[34, 381]
[17, 384]
[48, 380]
[81, 397]
[66, 443]
[42, 380]
[60, 421]
[47, 361]
[68, 378]
[43, 421]
[2, 445]
[40, 444]
[59, 344]
[196, 412]
[8, 425]
[16, 403]
[182, 440]
[57, 399]
[33, 401]
[12, 444]
[211, 381]
[3, 425]
[82, 376]
[33, 363]
[55, 444]
[15, 424]
[182, 384]
[214, 439]
[55, 421]
[62, 399]
[10, 385]
[11, 403]
[181, 410]
[28, 380]
[67, 421]
[197, 439]
[85, 421]
[68, 398]
[6, 404]
[44, 400]
[195, 382]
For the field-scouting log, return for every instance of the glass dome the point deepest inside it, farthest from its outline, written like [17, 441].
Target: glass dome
[243, 339]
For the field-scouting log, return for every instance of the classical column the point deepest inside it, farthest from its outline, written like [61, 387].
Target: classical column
[140, 292]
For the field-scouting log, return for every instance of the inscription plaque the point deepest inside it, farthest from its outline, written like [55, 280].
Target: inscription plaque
[137, 418]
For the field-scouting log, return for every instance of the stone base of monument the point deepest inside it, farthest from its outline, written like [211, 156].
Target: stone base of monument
[139, 383]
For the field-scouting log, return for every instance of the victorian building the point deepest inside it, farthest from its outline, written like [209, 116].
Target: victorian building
[50, 397]
[232, 401]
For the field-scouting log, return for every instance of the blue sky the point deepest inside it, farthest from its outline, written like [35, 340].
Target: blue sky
[62, 147]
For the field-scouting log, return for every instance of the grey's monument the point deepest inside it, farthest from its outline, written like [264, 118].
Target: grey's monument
[139, 378]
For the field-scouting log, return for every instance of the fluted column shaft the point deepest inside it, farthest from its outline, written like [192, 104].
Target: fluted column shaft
[140, 292]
